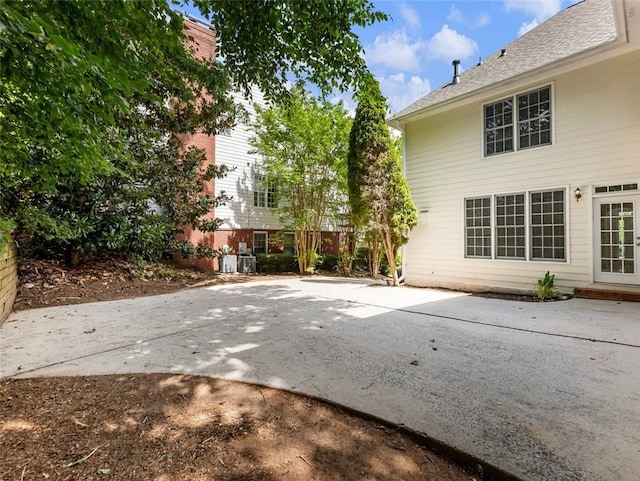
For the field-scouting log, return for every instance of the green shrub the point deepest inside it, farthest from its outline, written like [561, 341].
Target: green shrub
[384, 265]
[277, 263]
[6, 227]
[361, 260]
[328, 262]
[546, 288]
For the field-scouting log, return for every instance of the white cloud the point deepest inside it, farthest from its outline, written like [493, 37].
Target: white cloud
[540, 9]
[449, 45]
[525, 27]
[482, 21]
[455, 15]
[402, 91]
[410, 16]
[394, 50]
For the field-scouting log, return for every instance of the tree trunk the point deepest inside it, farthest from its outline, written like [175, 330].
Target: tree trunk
[73, 255]
[374, 253]
[347, 252]
[389, 250]
[301, 249]
[306, 242]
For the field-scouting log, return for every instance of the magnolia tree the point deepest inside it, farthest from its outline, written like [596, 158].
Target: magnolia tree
[378, 192]
[94, 100]
[304, 142]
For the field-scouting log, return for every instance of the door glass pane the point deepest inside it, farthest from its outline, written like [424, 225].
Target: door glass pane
[617, 249]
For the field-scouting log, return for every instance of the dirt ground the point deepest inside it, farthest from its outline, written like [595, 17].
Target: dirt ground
[50, 283]
[173, 427]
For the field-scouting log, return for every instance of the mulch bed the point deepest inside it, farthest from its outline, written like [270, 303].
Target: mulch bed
[175, 427]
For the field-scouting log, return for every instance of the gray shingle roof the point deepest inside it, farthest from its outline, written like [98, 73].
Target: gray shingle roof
[581, 27]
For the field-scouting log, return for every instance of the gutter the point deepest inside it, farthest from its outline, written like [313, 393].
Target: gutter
[398, 126]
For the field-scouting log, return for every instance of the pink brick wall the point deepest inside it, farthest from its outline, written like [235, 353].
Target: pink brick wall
[204, 43]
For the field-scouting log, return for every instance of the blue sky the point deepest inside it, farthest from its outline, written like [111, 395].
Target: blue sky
[412, 54]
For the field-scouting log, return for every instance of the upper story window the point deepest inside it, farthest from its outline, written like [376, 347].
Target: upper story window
[264, 191]
[226, 130]
[531, 115]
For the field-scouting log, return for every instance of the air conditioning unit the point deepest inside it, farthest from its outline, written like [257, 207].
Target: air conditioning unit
[228, 264]
[247, 264]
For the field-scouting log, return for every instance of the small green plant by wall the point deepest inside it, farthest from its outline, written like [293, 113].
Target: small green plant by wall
[6, 227]
[546, 288]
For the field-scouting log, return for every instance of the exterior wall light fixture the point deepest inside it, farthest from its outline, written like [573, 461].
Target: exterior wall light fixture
[578, 194]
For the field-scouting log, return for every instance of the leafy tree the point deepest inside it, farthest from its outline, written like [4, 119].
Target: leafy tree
[305, 143]
[95, 95]
[366, 133]
[264, 42]
[95, 98]
[379, 193]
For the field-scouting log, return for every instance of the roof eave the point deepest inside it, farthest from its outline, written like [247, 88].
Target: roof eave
[567, 64]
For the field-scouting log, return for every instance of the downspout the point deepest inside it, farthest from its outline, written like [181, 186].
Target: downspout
[404, 173]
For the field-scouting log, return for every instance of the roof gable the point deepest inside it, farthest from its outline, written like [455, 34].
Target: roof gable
[581, 27]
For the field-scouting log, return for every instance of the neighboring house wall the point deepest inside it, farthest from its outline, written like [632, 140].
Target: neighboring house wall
[242, 217]
[203, 42]
[231, 148]
[596, 118]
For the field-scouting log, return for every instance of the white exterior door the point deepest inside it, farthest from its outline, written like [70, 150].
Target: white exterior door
[617, 239]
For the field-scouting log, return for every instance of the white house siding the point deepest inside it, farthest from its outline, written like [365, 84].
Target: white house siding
[596, 112]
[233, 151]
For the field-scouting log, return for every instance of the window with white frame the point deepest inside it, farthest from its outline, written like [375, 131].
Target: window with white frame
[260, 243]
[259, 190]
[531, 115]
[225, 129]
[271, 194]
[510, 226]
[478, 227]
[547, 225]
[498, 127]
[520, 226]
[264, 191]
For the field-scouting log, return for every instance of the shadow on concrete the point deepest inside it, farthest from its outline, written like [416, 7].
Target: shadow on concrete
[478, 374]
